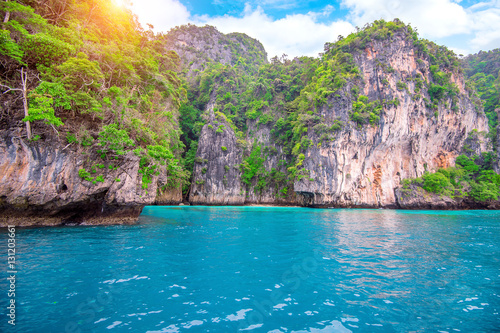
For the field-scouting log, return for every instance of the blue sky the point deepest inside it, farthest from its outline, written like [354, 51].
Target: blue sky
[275, 9]
[302, 27]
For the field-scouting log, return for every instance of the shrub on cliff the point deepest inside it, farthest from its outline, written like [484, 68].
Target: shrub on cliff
[253, 165]
[114, 140]
[472, 177]
[437, 183]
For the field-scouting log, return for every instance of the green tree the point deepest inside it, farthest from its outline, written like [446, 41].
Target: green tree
[41, 108]
[253, 165]
[114, 140]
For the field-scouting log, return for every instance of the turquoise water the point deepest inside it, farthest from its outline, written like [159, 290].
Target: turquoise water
[224, 269]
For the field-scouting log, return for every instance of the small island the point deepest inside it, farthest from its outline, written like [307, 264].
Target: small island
[101, 118]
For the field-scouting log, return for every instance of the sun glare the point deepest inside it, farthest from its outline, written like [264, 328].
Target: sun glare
[120, 3]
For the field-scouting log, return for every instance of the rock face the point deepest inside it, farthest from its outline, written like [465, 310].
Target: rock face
[217, 178]
[274, 158]
[362, 166]
[168, 197]
[40, 185]
[197, 46]
[417, 198]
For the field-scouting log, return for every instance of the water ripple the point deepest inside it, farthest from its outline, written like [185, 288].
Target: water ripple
[259, 269]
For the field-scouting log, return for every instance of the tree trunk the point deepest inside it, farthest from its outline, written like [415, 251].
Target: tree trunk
[7, 15]
[24, 78]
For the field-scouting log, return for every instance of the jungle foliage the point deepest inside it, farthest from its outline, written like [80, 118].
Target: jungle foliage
[482, 69]
[92, 72]
[472, 177]
[91, 75]
[288, 96]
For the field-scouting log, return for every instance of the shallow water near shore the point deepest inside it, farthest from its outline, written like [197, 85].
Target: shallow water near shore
[261, 269]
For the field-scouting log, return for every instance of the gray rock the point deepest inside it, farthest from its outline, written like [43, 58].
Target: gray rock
[40, 185]
[198, 46]
[217, 176]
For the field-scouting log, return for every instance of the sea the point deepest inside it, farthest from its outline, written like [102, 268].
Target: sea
[258, 269]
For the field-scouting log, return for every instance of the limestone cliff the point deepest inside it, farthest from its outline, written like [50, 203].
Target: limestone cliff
[362, 165]
[89, 127]
[40, 185]
[217, 178]
[340, 130]
[199, 46]
[497, 167]
[218, 168]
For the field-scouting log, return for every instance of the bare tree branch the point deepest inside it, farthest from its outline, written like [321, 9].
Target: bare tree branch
[9, 89]
[69, 144]
[55, 129]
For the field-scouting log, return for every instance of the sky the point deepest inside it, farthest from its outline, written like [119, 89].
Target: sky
[298, 28]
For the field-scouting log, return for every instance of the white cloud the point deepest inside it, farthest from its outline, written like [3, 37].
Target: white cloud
[295, 35]
[486, 25]
[433, 18]
[473, 28]
[479, 25]
[162, 14]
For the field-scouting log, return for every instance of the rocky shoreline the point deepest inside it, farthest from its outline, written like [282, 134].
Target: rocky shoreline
[41, 185]
[130, 215]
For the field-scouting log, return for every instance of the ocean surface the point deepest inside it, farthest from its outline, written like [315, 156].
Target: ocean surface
[260, 269]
